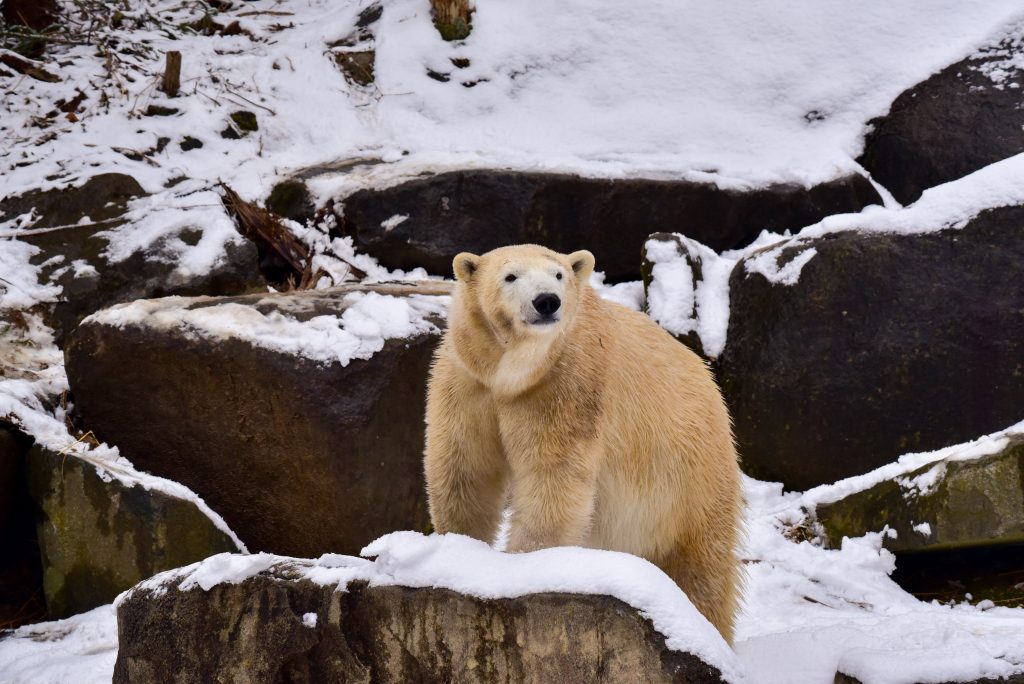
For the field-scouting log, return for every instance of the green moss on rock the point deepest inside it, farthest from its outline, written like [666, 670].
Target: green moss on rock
[98, 536]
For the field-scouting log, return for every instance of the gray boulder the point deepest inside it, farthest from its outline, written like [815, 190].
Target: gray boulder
[959, 120]
[277, 626]
[945, 505]
[477, 211]
[102, 531]
[887, 344]
[301, 455]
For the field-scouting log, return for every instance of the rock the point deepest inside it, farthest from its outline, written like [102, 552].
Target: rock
[279, 626]
[887, 344]
[292, 200]
[963, 118]
[98, 535]
[427, 221]
[300, 455]
[21, 575]
[73, 256]
[944, 505]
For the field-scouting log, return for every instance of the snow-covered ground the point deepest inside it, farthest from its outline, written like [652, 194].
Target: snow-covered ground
[731, 92]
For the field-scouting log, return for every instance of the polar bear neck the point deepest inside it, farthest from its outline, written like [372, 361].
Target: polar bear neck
[507, 364]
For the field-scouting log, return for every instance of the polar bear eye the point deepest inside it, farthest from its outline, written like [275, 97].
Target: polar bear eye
[558, 275]
[510, 278]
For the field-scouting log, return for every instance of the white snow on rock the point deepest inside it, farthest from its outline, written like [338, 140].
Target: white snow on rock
[470, 566]
[945, 207]
[679, 301]
[369, 320]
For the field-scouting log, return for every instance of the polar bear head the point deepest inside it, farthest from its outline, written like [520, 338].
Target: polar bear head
[523, 290]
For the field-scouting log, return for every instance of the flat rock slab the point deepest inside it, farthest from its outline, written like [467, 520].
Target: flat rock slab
[427, 221]
[298, 417]
[949, 504]
[99, 535]
[886, 344]
[270, 619]
[967, 116]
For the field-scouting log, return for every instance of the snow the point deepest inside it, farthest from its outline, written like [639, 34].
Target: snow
[368, 321]
[679, 301]
[82, 648]
[732, 92]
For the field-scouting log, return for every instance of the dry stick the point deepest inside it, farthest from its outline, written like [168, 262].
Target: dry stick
[272, 13]
[172, 73]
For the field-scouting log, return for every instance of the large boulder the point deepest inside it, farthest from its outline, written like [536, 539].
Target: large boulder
[70, 232]
[427, 221]
[964, 499]
[961, 119]
[874, 345]
[103, 528]
[340, 619]
[298, 417]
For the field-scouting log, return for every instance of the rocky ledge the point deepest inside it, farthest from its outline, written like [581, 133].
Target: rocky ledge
[428, 609]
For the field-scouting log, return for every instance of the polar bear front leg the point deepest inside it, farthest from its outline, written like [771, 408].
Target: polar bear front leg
[552, 498]
[464, 463]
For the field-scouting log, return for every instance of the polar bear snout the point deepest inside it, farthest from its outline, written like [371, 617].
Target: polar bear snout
[546, 304]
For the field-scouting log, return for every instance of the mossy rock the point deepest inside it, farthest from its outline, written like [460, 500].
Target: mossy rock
[291, 199]
[978, 502]
[99, 536]
[246, 121]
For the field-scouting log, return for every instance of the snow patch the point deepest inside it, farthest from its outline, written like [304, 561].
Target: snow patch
[369, 320]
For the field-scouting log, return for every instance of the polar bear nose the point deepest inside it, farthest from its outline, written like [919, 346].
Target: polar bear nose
[547, 303]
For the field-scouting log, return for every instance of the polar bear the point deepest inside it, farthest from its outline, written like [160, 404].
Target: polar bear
[587, 419]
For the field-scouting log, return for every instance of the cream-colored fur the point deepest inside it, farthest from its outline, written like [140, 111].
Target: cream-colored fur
[598, 429]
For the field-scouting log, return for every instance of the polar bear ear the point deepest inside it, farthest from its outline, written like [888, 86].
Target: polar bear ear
[582, 263]
[465, 265]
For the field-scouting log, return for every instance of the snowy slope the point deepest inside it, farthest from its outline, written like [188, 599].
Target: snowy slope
[738, 92]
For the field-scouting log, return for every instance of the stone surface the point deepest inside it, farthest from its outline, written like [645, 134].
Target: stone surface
[476, 211]
[21, 574]
[950, 125]
[973, 503]
[300, 457]
[98, 536]
[886, 345]
[99, 283]
[257, 631]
